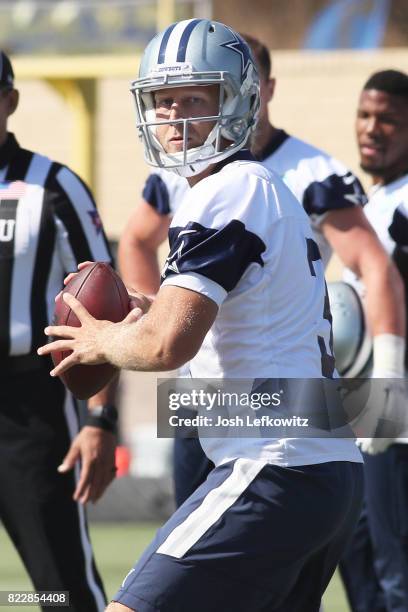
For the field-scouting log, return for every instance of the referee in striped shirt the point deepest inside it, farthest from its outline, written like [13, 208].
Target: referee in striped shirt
[48, 223]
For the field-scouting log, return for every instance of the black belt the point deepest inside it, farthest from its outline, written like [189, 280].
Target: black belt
[23, 363]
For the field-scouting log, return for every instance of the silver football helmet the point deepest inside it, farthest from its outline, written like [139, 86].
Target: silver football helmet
[351, 340]
[198, 52]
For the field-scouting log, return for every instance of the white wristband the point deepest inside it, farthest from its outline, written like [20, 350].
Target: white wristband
[388, 356]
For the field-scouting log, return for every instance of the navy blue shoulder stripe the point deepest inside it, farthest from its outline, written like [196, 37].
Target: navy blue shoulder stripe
[156, 194]
[163, 45]
[222, 255]
[185, 37]
[333, 193]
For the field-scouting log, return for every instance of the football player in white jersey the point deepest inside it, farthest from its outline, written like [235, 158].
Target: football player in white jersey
[375, 569]
[243, 295]
[332, 197]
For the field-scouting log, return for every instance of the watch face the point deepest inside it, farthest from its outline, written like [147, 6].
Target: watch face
[107, 411]
[104, 416]
[97, 411]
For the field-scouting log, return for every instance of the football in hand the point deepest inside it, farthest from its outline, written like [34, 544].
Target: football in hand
[105, 297]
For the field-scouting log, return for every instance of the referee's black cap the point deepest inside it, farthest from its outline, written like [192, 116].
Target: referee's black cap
[6, 71]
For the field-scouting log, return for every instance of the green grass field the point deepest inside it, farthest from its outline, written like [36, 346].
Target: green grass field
[117, 546]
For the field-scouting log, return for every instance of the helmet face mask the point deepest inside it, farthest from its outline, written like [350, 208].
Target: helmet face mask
[211, 54]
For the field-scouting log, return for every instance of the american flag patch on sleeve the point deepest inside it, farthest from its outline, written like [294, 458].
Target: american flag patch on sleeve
[13, 190]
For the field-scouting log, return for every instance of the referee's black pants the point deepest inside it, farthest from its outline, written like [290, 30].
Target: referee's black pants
[38, 420]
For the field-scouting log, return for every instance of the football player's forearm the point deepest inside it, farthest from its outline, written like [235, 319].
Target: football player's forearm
[139, 267]
[385, 299]
[164, 339]
[158, 342]
[138, 346]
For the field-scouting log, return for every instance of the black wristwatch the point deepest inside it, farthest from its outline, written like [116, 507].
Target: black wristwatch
[104, 416]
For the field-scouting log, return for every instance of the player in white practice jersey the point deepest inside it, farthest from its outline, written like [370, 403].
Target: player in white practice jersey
[375, 569]
[332, 197]
[243, 294]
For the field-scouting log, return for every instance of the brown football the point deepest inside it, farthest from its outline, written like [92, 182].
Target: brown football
[104, 295]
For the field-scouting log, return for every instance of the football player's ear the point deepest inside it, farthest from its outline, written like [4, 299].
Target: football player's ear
[12, 101]
[270, 88]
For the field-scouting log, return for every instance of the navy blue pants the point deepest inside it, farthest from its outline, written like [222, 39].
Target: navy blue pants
[375, 566]
[252, 538]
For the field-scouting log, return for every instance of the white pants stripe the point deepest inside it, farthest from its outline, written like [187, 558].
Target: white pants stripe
[216, 502]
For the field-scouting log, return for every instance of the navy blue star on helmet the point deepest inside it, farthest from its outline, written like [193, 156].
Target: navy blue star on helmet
[240, 46]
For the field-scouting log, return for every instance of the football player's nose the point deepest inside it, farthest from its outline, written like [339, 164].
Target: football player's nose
[176, 115]
[175, 111]
[372, 126]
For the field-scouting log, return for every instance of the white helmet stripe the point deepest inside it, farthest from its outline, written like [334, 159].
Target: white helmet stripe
[177, 43]
[163, 45]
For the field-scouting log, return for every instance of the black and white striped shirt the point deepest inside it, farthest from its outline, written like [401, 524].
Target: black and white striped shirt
[48, 224]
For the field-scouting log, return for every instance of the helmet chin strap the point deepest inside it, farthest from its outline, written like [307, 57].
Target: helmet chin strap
[196, 167]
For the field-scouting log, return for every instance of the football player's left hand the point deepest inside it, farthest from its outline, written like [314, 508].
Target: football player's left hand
[95, 448]
[72, 275]
[139, 304]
